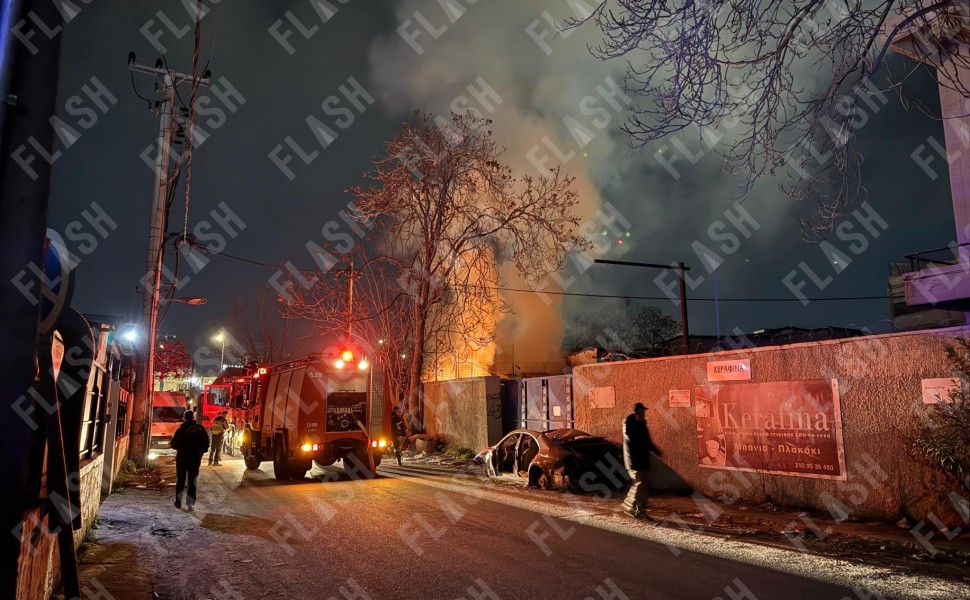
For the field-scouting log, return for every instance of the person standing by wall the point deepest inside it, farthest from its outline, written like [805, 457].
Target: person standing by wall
[637, 447]
[190, 443]
[398, 432]
[219, 426]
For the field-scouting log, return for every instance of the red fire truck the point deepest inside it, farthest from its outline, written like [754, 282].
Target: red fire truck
[317, 409]
[230, 392]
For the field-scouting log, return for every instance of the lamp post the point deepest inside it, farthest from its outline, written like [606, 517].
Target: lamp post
[193, 300]
[221, 338]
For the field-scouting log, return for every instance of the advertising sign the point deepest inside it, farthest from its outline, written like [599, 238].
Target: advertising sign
[780, 427]
[938, 390]
[603, 397]
[678, 398]
[729, 370]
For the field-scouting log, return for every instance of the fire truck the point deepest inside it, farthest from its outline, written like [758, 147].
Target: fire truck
[229, 392]
[317, 409]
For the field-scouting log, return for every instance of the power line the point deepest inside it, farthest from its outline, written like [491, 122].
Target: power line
[209, 251]
[605, 296]
[840, 298]
[135, 89]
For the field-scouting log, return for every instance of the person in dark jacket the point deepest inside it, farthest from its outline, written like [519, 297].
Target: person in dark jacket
[398, 432]
[190, 443]
[637, 447]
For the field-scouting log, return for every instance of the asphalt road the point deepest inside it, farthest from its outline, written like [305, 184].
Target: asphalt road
[413, 533]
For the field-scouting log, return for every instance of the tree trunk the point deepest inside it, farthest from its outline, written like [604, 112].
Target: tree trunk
[415, 395]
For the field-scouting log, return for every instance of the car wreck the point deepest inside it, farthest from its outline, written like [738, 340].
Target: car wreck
[560, 459]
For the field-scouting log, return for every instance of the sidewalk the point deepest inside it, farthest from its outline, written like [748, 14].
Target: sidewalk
[894, 546]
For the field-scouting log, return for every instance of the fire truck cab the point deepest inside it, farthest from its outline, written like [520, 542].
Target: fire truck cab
[230, 393]
[316, 410]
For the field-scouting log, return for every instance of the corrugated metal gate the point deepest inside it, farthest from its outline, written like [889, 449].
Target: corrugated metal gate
[546, 402]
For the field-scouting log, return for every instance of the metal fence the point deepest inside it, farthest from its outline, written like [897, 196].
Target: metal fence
[546, 402]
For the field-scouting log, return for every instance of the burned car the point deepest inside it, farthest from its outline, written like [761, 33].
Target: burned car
[558, 459]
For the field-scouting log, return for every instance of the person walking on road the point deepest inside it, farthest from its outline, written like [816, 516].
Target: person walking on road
[637, 447]
[190, 443]
[219, 426]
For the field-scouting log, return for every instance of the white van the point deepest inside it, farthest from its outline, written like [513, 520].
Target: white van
[168, 409]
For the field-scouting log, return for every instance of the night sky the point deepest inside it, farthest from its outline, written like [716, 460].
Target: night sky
[542, 95]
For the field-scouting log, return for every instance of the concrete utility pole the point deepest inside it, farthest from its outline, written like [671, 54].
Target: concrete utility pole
[680, 268]
[145, 377]
[352, 274]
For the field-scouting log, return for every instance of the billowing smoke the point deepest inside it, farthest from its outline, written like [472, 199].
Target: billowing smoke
[552, 104]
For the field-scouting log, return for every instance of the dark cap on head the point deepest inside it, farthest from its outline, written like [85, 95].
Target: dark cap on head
[189, 415]
[639, 406]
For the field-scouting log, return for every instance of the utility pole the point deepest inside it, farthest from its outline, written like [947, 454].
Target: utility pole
[352, 274]
[350, 303]
[145, 378]
[680, 268]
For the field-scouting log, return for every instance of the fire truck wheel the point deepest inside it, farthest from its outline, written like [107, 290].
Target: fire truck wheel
[280, 463]
[252, 461]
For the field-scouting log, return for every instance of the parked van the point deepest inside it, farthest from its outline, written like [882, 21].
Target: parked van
[168, 409]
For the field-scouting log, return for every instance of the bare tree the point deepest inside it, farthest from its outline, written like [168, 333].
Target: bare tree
[363, 308]
[615, 327]
[264, 332]
[447, 214]
[651, 328]
[781, 86]
[607, 324]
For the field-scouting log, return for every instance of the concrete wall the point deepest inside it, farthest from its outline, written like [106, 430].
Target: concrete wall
[121, 455]
[466, 411]
[39, 564]
[881, 402]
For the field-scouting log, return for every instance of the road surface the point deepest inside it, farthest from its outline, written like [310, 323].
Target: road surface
[418, 533]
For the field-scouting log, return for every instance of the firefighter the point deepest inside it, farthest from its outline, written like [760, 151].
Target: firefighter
[190, 443]
[219, 426]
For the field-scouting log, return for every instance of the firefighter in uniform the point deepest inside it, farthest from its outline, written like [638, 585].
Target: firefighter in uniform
[219, 426]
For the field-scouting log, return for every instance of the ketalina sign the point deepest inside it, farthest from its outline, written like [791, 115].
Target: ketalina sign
[782, 427]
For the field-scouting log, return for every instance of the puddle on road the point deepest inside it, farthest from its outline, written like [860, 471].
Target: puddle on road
[164, 532]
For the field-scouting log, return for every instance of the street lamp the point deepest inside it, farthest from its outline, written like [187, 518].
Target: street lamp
[221, 338]
[193, 300]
